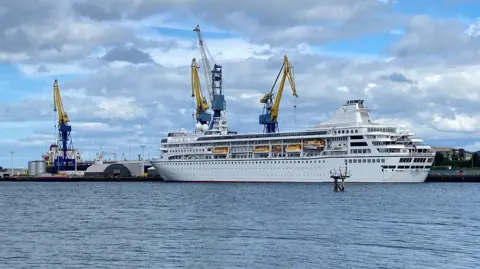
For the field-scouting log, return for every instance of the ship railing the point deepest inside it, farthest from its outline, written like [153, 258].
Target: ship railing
[334, 153]
[421, 154]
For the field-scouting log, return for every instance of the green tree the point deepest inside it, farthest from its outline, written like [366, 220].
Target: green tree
[476, 159]
[439, 159]
[461, 154]
[454, 155]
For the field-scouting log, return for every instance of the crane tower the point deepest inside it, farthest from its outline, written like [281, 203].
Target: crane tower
[65, 157]
[214, 81]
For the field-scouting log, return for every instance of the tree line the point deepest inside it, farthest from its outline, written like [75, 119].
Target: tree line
[457, 160]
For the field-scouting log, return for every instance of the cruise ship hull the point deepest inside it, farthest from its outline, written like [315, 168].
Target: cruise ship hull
[301, 171]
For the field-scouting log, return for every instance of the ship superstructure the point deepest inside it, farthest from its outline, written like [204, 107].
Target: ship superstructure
[374, 152]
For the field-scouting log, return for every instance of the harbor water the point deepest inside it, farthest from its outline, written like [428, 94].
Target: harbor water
[181, 225]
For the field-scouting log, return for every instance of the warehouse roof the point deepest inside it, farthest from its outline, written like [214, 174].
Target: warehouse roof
[97, 168]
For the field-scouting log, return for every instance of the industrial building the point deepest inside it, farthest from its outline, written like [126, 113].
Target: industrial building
[7, 172]
[122, 169]
[36, 168]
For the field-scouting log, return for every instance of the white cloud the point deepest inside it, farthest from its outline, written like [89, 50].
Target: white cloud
[422, 83]
[118, 108]
[459, 122]
[472, 147]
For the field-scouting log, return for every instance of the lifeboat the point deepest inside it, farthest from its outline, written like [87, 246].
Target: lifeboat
[260, 149]
[294, 148]
[220, 150]
[314, 144]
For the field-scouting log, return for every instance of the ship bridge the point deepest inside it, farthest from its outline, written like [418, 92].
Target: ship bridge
[353, 112]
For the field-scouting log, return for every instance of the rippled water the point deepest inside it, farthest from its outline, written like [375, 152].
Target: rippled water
[173, 225]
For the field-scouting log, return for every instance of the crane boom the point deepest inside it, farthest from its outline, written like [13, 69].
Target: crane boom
[58, 105]
[207, 67]
[270, 116]
[202, 116]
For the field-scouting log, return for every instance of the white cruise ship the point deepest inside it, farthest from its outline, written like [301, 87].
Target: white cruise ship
[374, 153]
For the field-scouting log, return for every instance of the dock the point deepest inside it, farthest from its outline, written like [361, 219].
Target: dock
[339, 176]
[82, 179]
[452, 178]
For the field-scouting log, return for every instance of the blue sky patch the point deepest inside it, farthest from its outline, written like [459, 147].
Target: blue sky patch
[439, 9]
[369, 44]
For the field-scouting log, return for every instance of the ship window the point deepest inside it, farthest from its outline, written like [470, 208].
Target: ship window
[356, 131]
[347, 131]
[350, 161]
[358, 144]
[369, 161]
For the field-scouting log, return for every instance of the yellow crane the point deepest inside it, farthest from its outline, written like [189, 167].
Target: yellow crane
[64, 140]
[270, 116]
[58, 105]
[202, 116]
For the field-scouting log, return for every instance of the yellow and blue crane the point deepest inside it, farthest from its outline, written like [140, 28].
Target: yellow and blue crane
[269, 118]
[203, 117]
[64, 140]
[213, 79]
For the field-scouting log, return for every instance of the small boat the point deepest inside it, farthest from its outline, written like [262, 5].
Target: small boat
[220, 150]
[314, 144]
[260, 149]
[294, 148]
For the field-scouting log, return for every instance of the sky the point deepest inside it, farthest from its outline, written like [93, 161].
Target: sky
[124, 67]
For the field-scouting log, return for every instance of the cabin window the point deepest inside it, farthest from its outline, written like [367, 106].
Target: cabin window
[358, 144]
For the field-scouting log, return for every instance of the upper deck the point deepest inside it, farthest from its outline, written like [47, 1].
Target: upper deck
[351, 118]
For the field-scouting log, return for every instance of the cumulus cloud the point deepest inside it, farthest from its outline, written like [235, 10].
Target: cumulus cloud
[124, 68]
[292, 22]
[127, 54]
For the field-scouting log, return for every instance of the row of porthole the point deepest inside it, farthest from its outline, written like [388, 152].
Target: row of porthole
[242, 168]
[345, 132]
[275, 162]
[187, 150]
[366, 160]
[281, 175]
[243, 162]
